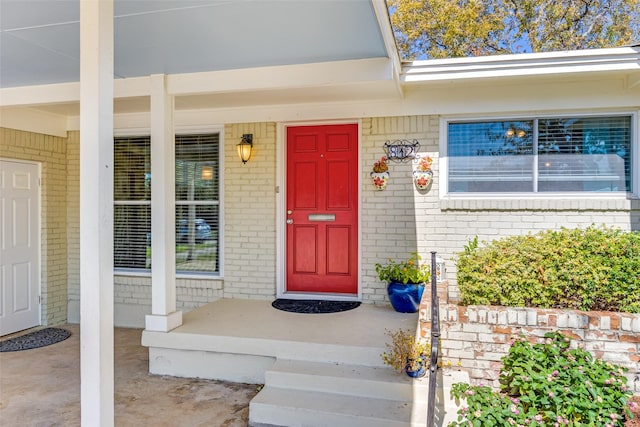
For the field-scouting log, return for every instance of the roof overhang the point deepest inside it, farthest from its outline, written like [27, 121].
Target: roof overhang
[566, 63]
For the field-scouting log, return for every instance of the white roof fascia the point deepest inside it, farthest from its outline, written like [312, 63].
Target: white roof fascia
[593, 60]
[281, 77]
[341, 73]
[40, 94]
[26, 119]
[61, 93]
[384, 22]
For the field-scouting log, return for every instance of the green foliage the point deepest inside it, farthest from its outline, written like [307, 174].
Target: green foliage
[583, 269]
[405, 350]
[409, 271]
[548, 384]
[446, 29]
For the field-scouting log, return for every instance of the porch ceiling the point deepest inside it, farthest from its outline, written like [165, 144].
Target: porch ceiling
[39, 46]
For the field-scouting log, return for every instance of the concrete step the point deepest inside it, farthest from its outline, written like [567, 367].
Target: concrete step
[355, 380]
[275, 406]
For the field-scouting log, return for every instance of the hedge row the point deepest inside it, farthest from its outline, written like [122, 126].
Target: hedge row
[597, 268]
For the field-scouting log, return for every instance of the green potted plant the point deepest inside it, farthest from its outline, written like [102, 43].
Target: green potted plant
[405, 282]
[406, 353]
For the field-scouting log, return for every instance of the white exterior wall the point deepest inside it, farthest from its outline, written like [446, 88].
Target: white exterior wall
[250, 213]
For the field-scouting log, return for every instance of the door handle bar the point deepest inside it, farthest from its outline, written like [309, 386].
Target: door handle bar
[322, 217]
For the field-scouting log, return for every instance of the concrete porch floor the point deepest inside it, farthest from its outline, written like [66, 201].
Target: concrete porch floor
[41, 387]
[258, 334]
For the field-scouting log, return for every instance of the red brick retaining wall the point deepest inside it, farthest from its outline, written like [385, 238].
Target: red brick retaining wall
[477, 337]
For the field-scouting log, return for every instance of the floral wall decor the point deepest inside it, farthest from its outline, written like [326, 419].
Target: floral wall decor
[380, 174]
[423, 175]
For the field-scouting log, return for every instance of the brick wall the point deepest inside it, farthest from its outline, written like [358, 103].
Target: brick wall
[393, 224]
[50, 152]
[132, 297]
[73, 226]
[250, 213]
[477, 337]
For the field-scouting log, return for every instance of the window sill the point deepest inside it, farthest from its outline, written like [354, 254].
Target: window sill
[538, 202]
[179, 275]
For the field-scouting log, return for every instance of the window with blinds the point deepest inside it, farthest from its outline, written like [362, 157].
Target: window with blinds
[559, 154]
[197, 203]
[132, 202]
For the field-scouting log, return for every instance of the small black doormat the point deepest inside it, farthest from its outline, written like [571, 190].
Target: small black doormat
[313, 306]
[36, 339]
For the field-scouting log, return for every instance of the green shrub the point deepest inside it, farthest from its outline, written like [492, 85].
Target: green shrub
[584, 269]
[548, 384]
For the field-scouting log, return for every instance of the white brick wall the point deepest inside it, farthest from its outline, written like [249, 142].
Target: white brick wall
[73, 226]
[250, 213]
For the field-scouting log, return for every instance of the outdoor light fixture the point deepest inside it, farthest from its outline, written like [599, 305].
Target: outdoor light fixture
[244, 147]
[207, 173]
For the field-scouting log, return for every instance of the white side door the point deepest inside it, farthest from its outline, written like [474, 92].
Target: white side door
[19, 246]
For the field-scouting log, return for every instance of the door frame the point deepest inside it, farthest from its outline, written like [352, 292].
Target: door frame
[281, 217]
[38, 225]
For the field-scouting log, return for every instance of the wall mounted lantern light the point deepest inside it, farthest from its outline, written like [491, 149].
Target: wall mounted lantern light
[245, 147]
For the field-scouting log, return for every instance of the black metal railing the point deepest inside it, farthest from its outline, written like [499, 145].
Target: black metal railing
[435, 344]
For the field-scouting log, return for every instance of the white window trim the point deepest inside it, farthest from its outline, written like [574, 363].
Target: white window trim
[188, 130]
[443, 163]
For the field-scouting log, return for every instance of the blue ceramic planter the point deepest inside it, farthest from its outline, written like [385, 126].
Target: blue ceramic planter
[420, 372]
[405, 298]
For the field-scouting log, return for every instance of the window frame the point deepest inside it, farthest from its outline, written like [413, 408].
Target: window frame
[634, 192]
[186, 130]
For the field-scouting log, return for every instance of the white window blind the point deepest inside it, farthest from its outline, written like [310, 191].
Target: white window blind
[584, 154]
[132, 202]
[197, 203]
[559, 154]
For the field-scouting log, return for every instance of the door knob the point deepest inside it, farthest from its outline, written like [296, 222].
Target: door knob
[290, 221]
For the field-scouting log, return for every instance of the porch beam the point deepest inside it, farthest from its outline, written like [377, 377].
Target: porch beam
[96, 213]
[164, 316]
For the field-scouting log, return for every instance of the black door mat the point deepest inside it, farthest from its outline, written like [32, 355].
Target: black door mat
[313, 306]
[36, 339]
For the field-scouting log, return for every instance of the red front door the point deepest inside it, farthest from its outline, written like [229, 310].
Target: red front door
[322, 209]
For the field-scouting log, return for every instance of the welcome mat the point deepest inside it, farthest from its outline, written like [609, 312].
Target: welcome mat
[313, 306]
[36, 339]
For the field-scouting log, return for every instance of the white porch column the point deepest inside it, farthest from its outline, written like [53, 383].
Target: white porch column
[164, 316]
[96, 213]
